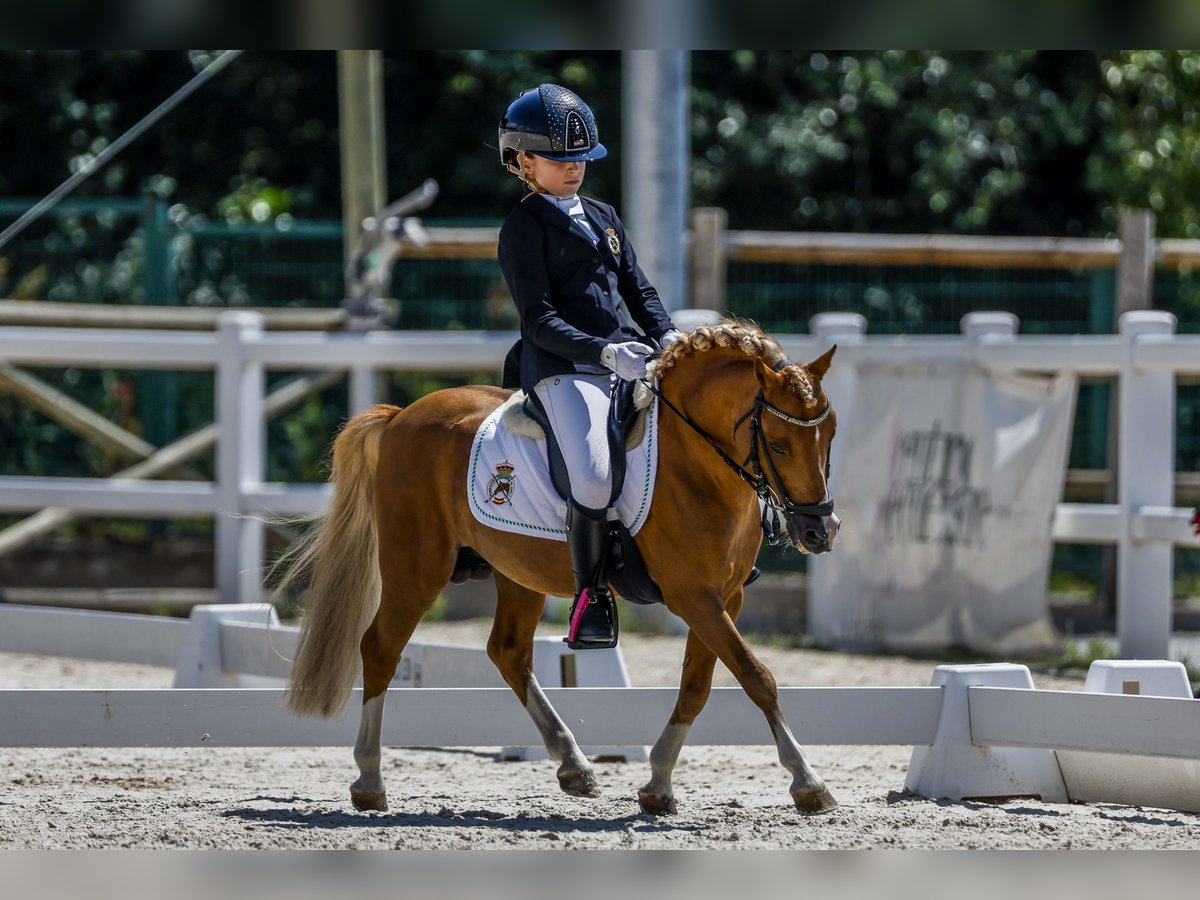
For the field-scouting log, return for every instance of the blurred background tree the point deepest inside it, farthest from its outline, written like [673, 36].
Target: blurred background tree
[1020, 142]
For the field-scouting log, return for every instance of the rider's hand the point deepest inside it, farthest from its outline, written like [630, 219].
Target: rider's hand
[669, 338]
[627, 359]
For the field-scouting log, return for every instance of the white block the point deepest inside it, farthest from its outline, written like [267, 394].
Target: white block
[954, 768]
[1124, 778]
[1146, 677]
[201, 664]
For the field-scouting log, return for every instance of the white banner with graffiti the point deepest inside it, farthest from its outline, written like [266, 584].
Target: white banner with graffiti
[947, 492]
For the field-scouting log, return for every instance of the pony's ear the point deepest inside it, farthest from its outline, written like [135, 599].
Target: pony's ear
[820, 365]
[763, 373]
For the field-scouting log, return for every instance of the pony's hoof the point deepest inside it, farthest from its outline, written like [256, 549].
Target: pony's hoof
[580, 783]
[368, 801]
[657, 804]
[815, 801]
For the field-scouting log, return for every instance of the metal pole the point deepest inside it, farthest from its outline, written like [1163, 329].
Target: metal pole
[655, 155]
[361, 136]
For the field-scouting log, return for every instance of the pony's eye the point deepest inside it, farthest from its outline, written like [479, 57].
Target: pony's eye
[779, 448]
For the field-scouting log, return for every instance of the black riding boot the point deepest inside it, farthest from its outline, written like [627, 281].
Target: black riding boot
[592, 626]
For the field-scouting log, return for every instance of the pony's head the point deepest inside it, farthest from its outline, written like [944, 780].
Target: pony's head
[796, 434]
[787, 427]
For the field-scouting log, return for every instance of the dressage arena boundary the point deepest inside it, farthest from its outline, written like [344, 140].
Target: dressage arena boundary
[977, 730]
[1144, 358]
[227, 646]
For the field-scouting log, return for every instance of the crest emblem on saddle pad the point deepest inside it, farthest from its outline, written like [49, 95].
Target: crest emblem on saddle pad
[613, 243]
[502, 484]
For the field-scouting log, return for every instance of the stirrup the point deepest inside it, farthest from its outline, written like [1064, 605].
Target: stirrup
[601, 604]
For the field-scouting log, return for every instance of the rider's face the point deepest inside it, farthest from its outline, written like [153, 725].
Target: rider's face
[562, 179]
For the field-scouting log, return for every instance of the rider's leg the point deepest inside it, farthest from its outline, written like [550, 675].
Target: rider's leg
[577, 408]
[593, 618]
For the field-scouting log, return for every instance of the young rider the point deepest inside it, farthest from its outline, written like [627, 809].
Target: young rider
[568, 265]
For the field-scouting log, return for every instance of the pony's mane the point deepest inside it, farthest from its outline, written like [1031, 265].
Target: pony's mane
[740, 335]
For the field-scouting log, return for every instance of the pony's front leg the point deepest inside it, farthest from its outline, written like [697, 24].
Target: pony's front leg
[713, 625]
[510, 647]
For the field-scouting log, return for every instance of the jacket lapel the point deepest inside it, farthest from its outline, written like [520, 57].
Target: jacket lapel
[603, 225]
[552, 215]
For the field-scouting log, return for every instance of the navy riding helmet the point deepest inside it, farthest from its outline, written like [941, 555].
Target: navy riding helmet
[552, 122]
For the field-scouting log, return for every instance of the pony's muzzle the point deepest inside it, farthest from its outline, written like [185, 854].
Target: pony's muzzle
[815, 534]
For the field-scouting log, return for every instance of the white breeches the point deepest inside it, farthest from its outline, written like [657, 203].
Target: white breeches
[577, 407]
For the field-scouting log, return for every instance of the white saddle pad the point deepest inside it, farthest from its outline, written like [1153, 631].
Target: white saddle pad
[508, 480]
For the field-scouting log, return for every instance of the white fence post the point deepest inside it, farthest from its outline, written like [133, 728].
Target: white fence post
[976, 324]
[241, 446]
[363, 390]
[841, 384]
[1145, 477]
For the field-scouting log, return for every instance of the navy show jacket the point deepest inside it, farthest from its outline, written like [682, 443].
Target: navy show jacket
[568, 290]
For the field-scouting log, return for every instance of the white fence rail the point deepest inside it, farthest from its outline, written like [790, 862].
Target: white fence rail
[991, 742]
[978, 731]
[1144, 357]
[454, 717]
[1065, 720]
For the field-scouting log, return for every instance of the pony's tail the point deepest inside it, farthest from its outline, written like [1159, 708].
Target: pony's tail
[340, 555]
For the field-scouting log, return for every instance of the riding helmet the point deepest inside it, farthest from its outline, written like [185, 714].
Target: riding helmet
[552, 122]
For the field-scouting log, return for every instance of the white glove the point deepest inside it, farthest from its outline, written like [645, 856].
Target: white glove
[669, 338]
[627, 359]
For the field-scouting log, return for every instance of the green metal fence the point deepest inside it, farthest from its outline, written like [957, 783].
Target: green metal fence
[142, 251]
[81, 250]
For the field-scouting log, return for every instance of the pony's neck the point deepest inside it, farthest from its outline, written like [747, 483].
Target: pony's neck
[714, 389]
[710, 375]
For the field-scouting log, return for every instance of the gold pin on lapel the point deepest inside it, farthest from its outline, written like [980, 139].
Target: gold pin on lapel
[613, 243]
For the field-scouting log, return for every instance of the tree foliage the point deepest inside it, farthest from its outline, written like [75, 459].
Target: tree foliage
[1020, 142]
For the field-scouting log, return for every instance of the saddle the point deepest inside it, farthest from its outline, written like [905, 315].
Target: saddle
[624, 567]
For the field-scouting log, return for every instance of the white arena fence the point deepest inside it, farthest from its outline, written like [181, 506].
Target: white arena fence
[222, 650]
[1144, 358]
[977, 731]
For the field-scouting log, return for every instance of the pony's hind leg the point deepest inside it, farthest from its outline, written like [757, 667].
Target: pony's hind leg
[658, 797]
[510, 647]
[400, 611]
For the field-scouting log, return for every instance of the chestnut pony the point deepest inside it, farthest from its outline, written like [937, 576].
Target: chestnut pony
[388, 543]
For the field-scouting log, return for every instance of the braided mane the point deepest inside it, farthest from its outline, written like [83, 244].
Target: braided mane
[744, 336]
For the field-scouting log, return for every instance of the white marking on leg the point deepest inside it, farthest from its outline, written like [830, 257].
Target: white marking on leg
[366, 749]
[575, 775]
[560, 743]
[663, 757]
[792, 758]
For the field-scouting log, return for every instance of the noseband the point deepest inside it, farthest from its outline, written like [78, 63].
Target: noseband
[775, 500]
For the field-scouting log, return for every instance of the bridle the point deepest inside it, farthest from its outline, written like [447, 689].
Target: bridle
[774, 499]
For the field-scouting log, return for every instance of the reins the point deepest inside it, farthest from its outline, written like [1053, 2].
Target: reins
[774, 501]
